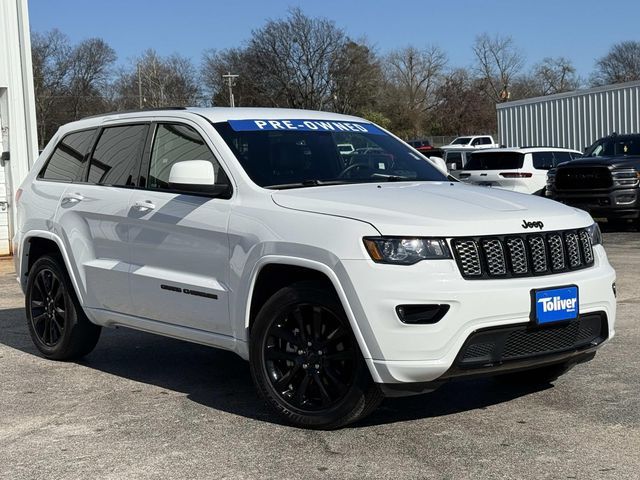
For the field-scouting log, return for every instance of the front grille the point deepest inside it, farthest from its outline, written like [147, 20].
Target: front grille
[523, 255]
[496, 345]
[582, 178]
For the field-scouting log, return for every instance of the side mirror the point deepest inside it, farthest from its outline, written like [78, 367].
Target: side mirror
[192, 176]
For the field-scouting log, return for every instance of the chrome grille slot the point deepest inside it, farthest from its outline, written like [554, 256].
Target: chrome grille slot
[518, 256]
[556, 248]
[587, 248]
[468, 257]
[573, 249]
[523, 255]
[538, 254]
[494, 253]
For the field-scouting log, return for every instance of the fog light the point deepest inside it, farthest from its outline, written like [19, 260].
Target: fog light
[625, 199]
[421, 314]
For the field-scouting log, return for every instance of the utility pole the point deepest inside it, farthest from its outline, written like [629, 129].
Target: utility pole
[230, 81]
[139, 86]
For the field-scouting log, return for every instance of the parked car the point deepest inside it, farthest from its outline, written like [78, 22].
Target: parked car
[243, 229]
[474, 141]
[606, 182]
[423, 146]
[519, 169]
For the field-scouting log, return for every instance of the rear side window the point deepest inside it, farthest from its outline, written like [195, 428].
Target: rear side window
[68, 159]
[495, 161]
[116, 158]
[543, 160]
[548, 160]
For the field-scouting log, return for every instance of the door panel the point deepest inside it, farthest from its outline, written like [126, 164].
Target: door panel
[94, 216]
[179, 244]
[180, 259]
[94, 225]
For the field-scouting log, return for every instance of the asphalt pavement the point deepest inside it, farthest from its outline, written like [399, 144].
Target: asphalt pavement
[142, 406]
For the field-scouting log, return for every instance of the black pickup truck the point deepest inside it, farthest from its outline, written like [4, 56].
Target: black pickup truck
[605, 182]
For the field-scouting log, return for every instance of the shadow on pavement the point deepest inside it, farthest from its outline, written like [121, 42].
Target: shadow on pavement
[221, 380]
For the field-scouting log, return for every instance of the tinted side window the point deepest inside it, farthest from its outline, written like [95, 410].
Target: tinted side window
[68, 159]
[178, 143]
[543, 160]
[116, 158]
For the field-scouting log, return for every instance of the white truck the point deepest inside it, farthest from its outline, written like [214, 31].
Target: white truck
[476, 141]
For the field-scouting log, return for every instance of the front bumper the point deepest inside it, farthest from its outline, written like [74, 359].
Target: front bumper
[616, 203]
[403, 353]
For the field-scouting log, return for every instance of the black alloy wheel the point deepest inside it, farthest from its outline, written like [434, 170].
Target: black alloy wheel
[306, 362]
[57, 323]
[48, 308]
[309, 357]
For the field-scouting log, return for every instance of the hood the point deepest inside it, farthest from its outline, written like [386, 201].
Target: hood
[434, 208]
[630, 161]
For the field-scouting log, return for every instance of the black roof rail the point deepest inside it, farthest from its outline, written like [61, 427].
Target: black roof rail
[135, 110]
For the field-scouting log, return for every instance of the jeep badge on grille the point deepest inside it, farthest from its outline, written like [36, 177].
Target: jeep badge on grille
[537, 224]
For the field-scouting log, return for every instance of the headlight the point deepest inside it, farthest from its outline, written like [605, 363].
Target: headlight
[595, 234]
[406, 251]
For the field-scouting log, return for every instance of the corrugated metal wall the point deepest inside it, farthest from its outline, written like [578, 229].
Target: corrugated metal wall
[570, 120]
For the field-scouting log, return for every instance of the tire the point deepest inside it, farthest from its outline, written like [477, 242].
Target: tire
[305, 360]
[536, 376]
[58, 326]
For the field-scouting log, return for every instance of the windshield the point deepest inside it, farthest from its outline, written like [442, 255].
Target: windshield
[617, 146]
[461, 141]
[495, 161]
[298, 153]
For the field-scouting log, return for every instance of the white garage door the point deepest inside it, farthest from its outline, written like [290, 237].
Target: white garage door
[4, 214]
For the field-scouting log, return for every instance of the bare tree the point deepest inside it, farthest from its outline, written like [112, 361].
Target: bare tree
[51, 57]
[413, 76]
[90, 72]
[356, 78]
[156, 82]
[237, 61]
[294, 58]
[463, 108]
[555, 75]
[498, 62]
[621, 64]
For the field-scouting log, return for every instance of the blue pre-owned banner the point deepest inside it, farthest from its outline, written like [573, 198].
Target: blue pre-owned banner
[304, 126]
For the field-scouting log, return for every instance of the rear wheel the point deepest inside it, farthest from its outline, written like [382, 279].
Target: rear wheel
[305, 360]
[57, 324]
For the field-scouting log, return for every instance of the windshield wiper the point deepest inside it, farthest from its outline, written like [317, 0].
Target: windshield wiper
[392, 178]
[307, 183]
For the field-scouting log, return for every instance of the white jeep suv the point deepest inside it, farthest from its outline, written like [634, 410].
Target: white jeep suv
[341, 278]
[521, 170]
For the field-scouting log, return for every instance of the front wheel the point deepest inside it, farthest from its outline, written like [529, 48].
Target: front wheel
[305, 360]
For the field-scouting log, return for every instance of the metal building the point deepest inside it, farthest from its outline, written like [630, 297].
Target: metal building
[570, 120]
[18, 142]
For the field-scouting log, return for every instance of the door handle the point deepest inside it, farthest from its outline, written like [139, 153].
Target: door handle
[72, 198]
[144, 206]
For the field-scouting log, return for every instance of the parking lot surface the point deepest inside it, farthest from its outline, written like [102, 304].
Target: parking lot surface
[142, 406]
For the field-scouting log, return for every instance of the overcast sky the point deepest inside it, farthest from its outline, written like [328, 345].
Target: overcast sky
[579, 30]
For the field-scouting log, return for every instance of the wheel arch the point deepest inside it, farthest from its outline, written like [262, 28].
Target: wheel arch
[37, 243]
[307, 269]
